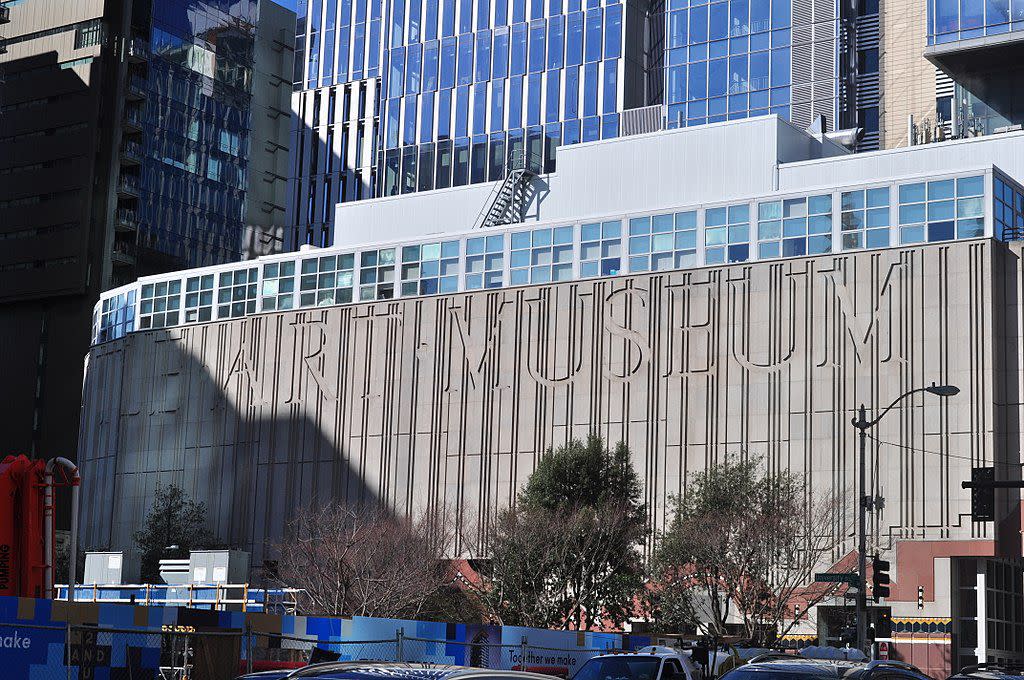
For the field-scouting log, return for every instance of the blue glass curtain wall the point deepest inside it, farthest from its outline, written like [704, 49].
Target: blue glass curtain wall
[726, 60]
[197, 119]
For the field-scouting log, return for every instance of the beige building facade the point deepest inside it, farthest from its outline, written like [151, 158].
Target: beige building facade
[907, 78]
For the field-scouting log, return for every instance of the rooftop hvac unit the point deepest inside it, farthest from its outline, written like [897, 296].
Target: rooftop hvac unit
[103, 568]
[174, 572]
[214, 567]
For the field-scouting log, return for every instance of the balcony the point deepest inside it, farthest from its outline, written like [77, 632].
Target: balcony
[128, 187]
[5, 14]
[123, 254]
[133, 120]
[138, 50]
[965, 56]
[136, 89]
[127, 220]
[131, 153]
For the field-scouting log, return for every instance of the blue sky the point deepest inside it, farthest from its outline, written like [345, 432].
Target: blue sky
[290, 4]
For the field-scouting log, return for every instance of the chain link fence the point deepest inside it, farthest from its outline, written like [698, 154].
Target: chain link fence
[177, 652]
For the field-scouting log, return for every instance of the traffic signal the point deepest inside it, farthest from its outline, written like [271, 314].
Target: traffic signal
[983, 498]
[883, 625]
[879, 578]
[848, 636]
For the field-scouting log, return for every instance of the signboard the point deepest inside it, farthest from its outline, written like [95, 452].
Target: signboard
[838, 577]
[883, 651]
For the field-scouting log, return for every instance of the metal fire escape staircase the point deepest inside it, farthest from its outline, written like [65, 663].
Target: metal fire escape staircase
[508, 201]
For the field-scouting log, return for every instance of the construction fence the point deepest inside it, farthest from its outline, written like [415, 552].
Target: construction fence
[175, 652]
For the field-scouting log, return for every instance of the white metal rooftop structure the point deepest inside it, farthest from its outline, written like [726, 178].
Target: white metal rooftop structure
[736, 192]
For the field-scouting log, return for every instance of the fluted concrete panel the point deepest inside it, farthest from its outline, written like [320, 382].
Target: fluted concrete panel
[451, 399]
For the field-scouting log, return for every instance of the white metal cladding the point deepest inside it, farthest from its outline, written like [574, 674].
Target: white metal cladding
[1004, 151]
[708, 163]
[695, 235]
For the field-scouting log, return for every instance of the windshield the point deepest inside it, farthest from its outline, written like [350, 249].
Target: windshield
[620, 668]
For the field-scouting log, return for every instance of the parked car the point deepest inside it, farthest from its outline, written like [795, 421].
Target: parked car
[649, 663]
[791, 667]
[884, 670]
[391, 670]
[989, 671]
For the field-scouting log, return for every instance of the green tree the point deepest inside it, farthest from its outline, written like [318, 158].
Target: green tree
[173, 519]
[568, 555]
[743, 544]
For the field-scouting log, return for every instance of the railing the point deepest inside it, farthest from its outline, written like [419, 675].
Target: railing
[129, 184]
[131, 148]
[516, 163]
[137, 84]
[124, 248]
[133, 117]
[217, 596]
[138, 48]
[127, 217]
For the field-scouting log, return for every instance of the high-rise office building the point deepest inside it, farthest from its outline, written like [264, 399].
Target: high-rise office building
[126, 148]
[398, 96]
[980, 46]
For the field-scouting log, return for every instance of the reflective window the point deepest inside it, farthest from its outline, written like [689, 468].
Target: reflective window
[727, 234]
[941, 210]
[661, 242]
[951, 20]
[865, 218]
[277, 289]
[794, 226]
[541, 256]
[600, 248]
[430, 268]
[236, 293]
[485, 261]
[199, 298]
[1008, 210]
[326, 280]
[117, 316]
[377, 274]
[159, 304]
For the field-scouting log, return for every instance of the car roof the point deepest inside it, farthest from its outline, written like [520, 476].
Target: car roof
[795, 666]
[370, 670]
[658, 651]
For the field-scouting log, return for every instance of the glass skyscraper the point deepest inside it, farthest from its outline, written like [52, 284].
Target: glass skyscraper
[454, 92]
[462, 90]
[195, 105]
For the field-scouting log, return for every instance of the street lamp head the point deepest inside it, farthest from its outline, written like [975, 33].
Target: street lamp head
[942, 390]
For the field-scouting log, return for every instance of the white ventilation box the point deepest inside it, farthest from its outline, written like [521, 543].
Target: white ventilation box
[215, 567]
[103, 568]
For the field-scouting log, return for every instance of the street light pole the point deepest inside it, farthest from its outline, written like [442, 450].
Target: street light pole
[864, 503]
[862, 426]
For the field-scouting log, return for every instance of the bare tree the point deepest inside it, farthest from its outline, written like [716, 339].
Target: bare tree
[364, 562]
[744, 545]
